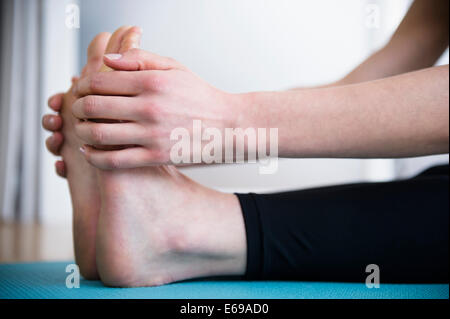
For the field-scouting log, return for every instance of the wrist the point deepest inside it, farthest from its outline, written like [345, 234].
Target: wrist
[237, 107]
[250, 110]
[284, 111]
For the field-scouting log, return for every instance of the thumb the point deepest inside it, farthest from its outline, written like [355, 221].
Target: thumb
[140, 60]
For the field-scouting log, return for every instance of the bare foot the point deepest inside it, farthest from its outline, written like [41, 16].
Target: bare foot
[82, 177]
[157, 226]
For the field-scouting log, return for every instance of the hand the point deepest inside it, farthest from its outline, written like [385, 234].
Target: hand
[121, 40]
[143, 107]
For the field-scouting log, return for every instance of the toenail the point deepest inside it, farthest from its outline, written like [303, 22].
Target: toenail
[82, 150]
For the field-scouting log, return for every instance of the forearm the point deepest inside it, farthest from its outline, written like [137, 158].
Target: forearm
[400, 116]
[419, 41]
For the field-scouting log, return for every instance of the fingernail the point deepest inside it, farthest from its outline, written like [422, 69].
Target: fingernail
[82, 149]
[113, 56]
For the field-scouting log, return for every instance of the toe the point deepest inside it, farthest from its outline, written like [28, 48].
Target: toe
[54, 143]
[52, 122]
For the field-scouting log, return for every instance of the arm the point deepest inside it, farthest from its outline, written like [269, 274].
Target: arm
[401, 116]
[418, 42]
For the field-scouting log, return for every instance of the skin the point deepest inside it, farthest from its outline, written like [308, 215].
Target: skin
[157, 226]
[120, 214]
[155, 93]
[387, 117]
[146, 236]
[418, 42]
[383, 118]
[82, 177]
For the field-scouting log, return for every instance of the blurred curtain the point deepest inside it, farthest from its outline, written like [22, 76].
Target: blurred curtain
[20, 56]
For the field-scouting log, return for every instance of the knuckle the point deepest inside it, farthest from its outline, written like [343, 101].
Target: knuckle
[148, 82]
[113, 161]
[95, 82]
[155, 82]
[97, 134]
[89, 106]
[158, 156]
[148, 110]
[145, 135]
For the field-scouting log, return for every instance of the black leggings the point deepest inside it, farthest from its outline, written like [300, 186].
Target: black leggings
[333, 233]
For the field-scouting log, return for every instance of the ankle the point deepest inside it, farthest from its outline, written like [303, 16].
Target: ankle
[216, 234]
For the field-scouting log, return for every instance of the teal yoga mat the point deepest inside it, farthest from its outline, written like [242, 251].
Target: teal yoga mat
[47, 280]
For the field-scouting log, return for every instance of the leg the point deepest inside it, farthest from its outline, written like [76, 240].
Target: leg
[333, 233]
[156, 226]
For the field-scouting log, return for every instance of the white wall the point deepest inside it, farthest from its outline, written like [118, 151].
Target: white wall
[251, 45]
[60, 62]
[411, 166]
[248, 45]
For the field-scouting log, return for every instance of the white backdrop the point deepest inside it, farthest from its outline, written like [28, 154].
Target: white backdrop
[238, 46]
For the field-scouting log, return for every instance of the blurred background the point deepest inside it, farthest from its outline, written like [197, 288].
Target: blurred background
[236, 45]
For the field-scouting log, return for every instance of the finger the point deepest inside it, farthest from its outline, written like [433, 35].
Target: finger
[96, 49]
[138, 60]
[110, 83]
[110, 133]
[55, 102]
[107, 107]
[74, 79]
[54, 143]
[126, 158]
[60, 168]
[131, 39]
[52, 122]
[114, 42]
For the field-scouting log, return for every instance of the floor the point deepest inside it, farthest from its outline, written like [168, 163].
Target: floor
[55, 280]
[35, 242]
[28, 270]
